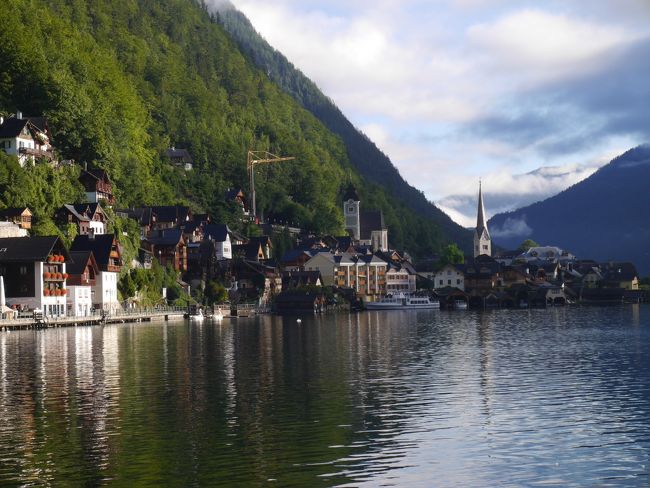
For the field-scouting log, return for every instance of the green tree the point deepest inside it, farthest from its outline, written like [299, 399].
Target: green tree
[526, 245]
[215, 293]
[451, 254]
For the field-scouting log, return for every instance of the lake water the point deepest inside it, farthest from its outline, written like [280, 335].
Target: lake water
[556, 397]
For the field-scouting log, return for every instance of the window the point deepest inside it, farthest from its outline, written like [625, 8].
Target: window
[449, 282]
[441, 282]
[350, 209]
[23, 270]
[458, 282]
[485, 247]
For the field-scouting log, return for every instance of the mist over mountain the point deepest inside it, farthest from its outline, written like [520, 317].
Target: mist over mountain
[604, 217]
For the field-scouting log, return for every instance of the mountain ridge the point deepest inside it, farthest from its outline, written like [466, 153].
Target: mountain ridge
[601, 217]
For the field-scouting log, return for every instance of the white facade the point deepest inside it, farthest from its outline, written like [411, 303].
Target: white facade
[224, 249]
[379, 240]
[92, 227]
[448, 276]
[105, 291]
[79, 301]
[325, 263]
[9, 229]
[400, 281]
[51, 306]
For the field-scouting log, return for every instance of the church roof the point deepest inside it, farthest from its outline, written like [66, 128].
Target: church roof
[371, 220]
[481, 224]
[351, 194]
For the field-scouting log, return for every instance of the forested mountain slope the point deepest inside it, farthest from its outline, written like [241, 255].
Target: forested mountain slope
[363, 153]
[123, 80]
[603, 217]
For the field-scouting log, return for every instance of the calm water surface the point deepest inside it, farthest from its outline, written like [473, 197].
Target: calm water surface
[556, 397]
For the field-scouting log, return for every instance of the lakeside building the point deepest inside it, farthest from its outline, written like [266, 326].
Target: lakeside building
[34, 270]
[366, 227]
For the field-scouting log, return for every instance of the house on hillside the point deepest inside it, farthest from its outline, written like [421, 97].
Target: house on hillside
[220, 235]
[34, 270]
[98, 186]
[168, 247]
[238, 197]
[89, 218]
[180, 158]
[299, 279]
[108, 257]
[18, 215]
[144, 216]
[27, 138]
[170, 217]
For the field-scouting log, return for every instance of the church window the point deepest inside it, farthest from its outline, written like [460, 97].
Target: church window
[350, 209]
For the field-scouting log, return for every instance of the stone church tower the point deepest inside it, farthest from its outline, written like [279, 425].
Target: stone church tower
[482, 241]
[351, 212]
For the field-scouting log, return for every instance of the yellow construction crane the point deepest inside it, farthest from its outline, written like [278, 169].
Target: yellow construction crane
[260, 157]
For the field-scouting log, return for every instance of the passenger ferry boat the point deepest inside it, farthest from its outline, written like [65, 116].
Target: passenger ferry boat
[403, 302]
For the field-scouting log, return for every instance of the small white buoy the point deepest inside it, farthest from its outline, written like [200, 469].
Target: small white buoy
[299, 321]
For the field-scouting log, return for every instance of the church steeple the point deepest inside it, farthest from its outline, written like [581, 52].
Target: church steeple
[482, 240]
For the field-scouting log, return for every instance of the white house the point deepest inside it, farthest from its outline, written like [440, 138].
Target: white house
[107, 255]
[34, 270]
[90, 218]
[26, 138]
[400, 279]
[220, 234]
[79, 301]
[449, 275]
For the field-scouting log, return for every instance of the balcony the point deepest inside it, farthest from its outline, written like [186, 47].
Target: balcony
[36, 153]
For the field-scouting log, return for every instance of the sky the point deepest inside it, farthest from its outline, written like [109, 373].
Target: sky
[530, 97]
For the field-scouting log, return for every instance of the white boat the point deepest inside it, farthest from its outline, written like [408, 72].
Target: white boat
[403, 302]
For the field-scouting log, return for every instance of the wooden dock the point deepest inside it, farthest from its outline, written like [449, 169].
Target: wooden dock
[101, 318]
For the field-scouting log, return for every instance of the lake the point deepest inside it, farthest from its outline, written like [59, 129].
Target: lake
[557, 397]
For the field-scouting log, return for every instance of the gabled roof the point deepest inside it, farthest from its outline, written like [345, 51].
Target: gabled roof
[12, 127]
[7, 213]
[371, 220]
[216, 232]
[83, 211]
[166, 237]
[100, 245]
[619, 271]
[94, 174]
[36, 248]
[171, 213]
[181, 154]
[81, 259]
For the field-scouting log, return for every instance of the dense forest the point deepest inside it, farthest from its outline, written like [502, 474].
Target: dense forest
[123, 80]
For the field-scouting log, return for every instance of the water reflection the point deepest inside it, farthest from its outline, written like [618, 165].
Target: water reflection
[507, 398]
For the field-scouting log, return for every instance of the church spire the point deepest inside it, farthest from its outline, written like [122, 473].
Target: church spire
[482, 241]
[481, 225]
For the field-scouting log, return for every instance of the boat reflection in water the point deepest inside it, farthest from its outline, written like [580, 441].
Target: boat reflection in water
[403, 302]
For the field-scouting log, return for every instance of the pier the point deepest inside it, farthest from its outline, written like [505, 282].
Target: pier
[101, 317]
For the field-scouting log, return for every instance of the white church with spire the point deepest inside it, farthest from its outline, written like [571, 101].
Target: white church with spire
[482, 240]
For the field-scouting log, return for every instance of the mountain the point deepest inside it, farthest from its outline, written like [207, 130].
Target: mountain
[364, 155]
[121, 81]
[604, 217]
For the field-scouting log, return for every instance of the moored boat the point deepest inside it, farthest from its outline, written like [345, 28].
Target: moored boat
[403, 302]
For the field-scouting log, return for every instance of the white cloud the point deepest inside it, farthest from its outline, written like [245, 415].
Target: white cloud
[419, 78]
[543, 45]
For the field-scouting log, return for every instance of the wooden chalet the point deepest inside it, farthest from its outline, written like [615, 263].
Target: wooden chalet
[21, 216]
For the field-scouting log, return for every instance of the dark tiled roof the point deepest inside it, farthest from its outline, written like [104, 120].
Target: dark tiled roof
[7, 213]
[79, 261]
[619, 271]
[166, 237]
[171, 213]
[12, 127]
[100, 245]
[181, 154]
[371, 220]
[351, 194]
[216, 232]
[36, 248]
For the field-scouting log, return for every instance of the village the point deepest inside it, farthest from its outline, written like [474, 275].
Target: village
[213, 264]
